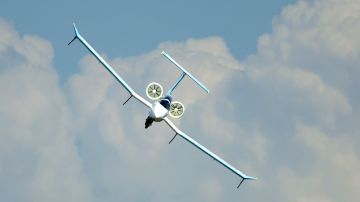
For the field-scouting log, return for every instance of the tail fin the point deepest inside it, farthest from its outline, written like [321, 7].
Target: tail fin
[184, 72]
[76, 34]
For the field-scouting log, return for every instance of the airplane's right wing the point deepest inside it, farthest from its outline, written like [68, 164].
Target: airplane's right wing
[208, 152]
[110, 69]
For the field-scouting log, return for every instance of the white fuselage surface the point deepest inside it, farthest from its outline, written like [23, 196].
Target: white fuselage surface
[158, 112]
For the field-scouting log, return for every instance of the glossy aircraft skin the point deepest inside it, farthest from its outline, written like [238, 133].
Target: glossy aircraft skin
[160, 109]
[158, 112]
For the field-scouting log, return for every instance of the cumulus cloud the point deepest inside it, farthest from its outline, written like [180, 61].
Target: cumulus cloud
[38, 158]
[331, 172]
[100, 107]
[80, 142]
[303, 77]
[290, 118]
[304, 89]
[338, 154]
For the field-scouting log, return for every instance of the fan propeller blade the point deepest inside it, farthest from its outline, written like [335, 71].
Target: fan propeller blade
[176, 109]
[154, 91]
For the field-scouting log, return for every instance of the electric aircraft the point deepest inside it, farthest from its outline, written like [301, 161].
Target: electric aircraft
[163, 105]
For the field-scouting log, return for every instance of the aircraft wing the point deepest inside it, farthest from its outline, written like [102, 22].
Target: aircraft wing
[208, 152]
[109, 68]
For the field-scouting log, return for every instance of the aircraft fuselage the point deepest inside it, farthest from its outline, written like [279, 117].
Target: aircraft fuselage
[158, 111]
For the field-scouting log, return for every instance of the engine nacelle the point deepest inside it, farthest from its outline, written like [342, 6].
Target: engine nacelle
[154, 91]
[176, 110]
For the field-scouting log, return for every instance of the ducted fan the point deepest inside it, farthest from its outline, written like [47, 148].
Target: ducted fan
[176, 109]
[154, 91]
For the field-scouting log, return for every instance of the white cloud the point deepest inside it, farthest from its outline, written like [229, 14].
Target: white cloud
[38, 159]
[210, 190]
[99, 97]
[302, 89]
[331, 24]
[336, 161]
[304, 73]
[331, 169]
[282, 121]
[8, 36]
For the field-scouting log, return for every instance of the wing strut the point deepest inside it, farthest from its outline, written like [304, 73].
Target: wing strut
[242, 180]
[208, 152]
[173, 138]
[128, 99]
[72, 40]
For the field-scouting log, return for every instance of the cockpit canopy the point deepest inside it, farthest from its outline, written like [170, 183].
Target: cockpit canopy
[166, 102]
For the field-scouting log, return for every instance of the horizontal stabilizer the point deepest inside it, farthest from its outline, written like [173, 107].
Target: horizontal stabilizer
[185, 71]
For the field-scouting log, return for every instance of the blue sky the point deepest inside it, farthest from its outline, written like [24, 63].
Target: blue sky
[134, 27]
[283, 103]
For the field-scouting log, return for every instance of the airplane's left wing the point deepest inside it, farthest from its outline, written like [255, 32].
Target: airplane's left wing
[208, 152]
[109, 68]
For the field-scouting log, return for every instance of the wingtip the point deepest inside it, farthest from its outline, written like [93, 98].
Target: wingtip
[250, 178]
[76, 34]
[75, 29]
[205, 88]
[246, 178]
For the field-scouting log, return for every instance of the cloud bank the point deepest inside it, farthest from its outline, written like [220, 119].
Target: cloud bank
[289, 115]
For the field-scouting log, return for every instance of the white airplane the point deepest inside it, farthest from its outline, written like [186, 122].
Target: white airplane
[162, 106]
